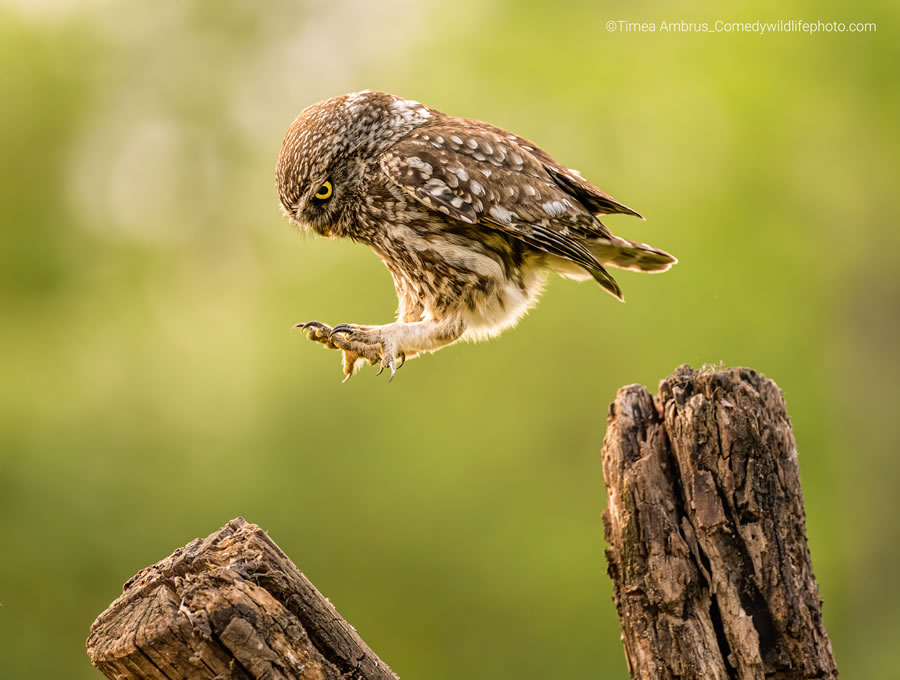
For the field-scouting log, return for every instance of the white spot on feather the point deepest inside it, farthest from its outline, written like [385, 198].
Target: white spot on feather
[501, 214]
[419, 164]
[435, 185]
[553, 208]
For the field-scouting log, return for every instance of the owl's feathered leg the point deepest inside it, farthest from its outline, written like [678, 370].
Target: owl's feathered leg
[389, 345]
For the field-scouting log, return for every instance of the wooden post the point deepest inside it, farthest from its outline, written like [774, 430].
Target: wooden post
[706, 531]
[233, 606]
[708, 556]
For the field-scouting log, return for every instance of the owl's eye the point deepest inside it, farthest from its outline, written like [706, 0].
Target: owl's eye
[325, 191]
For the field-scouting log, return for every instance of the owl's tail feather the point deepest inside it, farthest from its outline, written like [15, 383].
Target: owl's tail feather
[632, 255]
[605, 279]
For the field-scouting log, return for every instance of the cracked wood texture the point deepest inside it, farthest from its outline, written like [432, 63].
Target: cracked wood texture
[706, 531]
[229, 606]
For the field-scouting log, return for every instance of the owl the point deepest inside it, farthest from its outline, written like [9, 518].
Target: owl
[467, 217]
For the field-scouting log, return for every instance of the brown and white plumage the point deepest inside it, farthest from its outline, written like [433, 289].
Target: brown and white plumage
[466, 216]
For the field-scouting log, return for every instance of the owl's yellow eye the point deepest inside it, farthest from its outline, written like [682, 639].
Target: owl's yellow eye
[325, 191]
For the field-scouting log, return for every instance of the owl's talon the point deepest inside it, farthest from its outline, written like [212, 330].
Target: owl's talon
[380, 370]
[393, 364]
[317, 332]
[341, 328]
[402, 356]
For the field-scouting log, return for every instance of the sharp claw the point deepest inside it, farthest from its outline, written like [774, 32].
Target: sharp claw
[306, 325]
[341, 328]
[393, 365]
[402, 356]
[380, 370]
[347, 377]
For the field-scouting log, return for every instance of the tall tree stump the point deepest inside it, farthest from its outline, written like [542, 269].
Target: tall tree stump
[706, 531]
[230, 606]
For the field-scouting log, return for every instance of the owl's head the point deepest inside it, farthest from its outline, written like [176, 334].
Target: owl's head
[329, 149]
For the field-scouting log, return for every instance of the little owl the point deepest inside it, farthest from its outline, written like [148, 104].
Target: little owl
[466, 216]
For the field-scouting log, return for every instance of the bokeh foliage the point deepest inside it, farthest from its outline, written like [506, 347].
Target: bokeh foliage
[152, 391]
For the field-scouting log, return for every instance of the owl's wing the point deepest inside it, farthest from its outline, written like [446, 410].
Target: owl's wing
[482, 175]
[596, 200]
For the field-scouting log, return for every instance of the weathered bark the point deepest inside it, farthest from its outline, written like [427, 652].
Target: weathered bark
[231, 605]
[707, 536]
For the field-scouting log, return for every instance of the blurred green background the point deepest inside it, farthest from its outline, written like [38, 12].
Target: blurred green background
[152, 390]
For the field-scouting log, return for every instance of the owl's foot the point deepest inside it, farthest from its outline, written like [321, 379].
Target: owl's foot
[358, 343]
[371, 343]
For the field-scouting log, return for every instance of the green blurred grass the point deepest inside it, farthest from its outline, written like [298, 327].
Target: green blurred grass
[152, 389]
